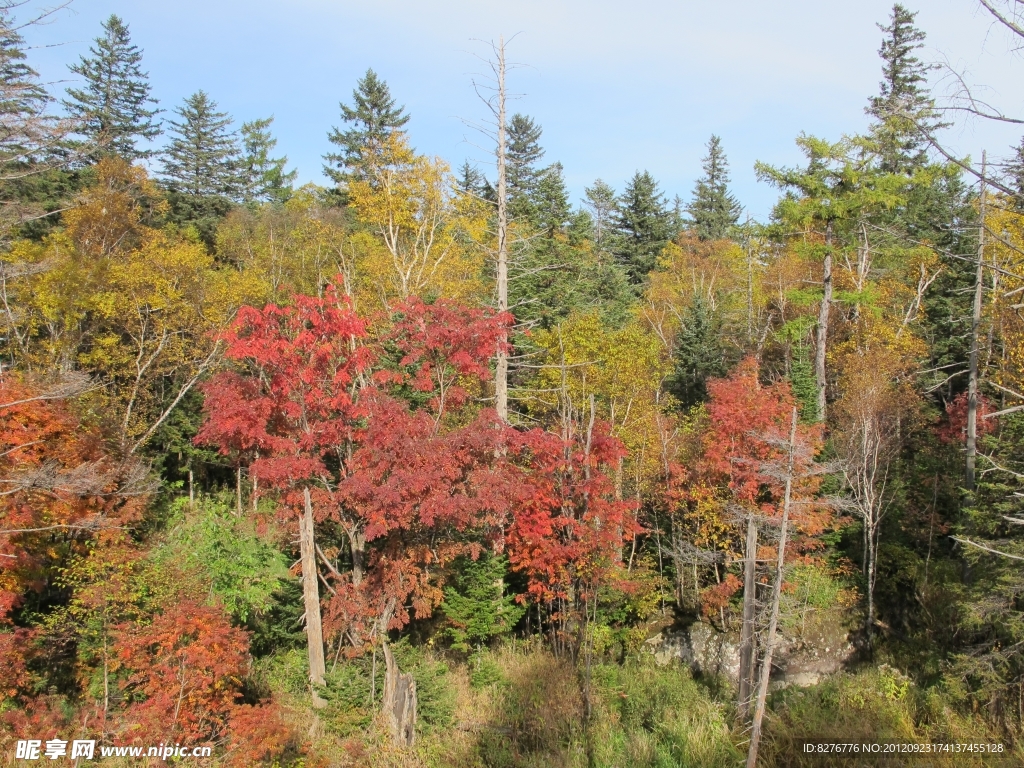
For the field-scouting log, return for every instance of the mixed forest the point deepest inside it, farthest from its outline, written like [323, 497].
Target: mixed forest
[431, 466]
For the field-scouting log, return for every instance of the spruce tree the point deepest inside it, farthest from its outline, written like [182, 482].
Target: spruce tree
[263, 178]
[522, 155]
[1015, 173]
[372, 118]
[114, 108]
[470, 180]
[713, 210]
[475, 603]
[904, 110]
[33, 179]
[202, 158]
[552, 211]
[698, 354]
[23, 101]
[643, 226]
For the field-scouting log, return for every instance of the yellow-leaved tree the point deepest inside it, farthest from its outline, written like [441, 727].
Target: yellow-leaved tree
[134, 307]
[298, 247]
[423, 236]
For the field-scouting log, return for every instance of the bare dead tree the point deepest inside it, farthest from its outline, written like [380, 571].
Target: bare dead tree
[493, 93]
[773, 622]
[311, 601]
[972, 371]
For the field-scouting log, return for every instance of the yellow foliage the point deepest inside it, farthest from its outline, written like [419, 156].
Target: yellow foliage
[716, 270]
[623, 369]
[430, 233]
[1005, 251]
[295, 248]
[134, 307]
[108, 216]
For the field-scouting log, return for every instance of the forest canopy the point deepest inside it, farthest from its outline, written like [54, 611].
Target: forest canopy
[428, 465]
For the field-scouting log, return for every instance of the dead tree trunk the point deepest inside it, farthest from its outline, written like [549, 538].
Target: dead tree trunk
[749, 611]
[501, 372]
[399, 701]
[773, 621]
[311, 599]
[823, 316]
[972, 381]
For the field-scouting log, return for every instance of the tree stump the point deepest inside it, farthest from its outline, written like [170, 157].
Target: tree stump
[399, 701]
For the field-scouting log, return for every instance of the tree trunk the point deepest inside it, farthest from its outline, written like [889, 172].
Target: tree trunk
[238, 490]
[823, 315]
[357, 542]
[311, 599]
[749, 612]
[972, 382]
[773, 622]
[872, 552]
[399, 701]
[501, 372]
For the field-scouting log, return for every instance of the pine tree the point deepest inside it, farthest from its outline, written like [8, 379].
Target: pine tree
[203, 157]
[114, 107]
[643, 226]
[601, 202]
[263, 178]
[904, 110]
[373, 118]
[523, 154]
[713, 210]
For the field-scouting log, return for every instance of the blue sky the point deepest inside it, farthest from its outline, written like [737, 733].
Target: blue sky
[618, 86]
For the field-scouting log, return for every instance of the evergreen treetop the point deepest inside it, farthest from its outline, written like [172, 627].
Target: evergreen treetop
[262, 177]
[470, 180]
[643, 226]
[903, 109]
[714, 211]
[551, 200]
[202, 158]
[23, 100]
[372, 118]
[114, 107]
[521, 157]
[698, 355]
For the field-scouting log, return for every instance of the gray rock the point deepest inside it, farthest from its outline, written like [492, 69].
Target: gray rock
[800, 661]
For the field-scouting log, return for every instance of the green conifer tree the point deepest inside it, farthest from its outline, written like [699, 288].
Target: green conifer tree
[372, 119]
[1015, 172]
[263, 178]
[904, 110]
[643, 226]
[33, 157]
[202, 158]
[114, 108]
[698, 354]
[475, 602]
[523, 174]
[470, 180]
[713, 210]
[552, 211]
[23, 101]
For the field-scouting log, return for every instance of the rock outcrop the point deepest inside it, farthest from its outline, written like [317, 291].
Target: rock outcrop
[802, 658]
